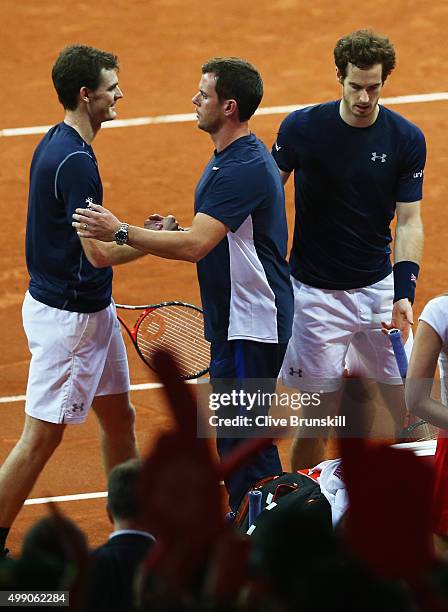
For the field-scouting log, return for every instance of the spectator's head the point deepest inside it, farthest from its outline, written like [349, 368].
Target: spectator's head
[54, 555]
[122, 494]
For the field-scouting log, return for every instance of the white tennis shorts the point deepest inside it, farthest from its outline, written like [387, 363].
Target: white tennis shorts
[335, 330]
[74, 357]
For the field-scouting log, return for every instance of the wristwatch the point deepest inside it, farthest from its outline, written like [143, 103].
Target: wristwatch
[121, 235]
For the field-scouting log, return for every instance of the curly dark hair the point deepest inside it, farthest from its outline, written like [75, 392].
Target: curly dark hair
[79, 66]
[238, 80]
[364, 49]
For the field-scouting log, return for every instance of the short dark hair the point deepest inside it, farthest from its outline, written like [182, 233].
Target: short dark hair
[45, 537]
[54, 553]
[364, 49]
[79, 66]
[238, 80]
[122, 490]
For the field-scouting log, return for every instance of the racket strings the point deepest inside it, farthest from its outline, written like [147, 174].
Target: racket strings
[190, 365]
[149, 340]
[148, 349]
[428, 432]
[421, 431]
[189, 330]
[179, 330]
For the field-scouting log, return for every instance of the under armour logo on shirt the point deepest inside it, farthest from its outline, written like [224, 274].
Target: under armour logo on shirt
[382, 157]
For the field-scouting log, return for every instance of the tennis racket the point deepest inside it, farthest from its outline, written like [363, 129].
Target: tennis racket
[423, 429]
[172, 326]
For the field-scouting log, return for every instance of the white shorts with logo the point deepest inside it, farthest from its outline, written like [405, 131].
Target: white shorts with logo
[74, 357]
[337, 329]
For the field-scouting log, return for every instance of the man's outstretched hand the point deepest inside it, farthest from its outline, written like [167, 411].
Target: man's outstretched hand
[95, 222]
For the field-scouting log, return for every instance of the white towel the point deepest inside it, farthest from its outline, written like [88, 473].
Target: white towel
[333, 487]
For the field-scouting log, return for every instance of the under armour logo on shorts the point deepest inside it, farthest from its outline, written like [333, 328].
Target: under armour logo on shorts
[292, 372]
[77, 407]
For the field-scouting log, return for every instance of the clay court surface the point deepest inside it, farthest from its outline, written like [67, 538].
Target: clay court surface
[154, 167]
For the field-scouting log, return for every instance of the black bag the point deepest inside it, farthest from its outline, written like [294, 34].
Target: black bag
[289, 491]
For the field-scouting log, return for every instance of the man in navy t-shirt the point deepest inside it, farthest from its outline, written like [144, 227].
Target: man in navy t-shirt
[356, 165]
[78, 355]
[238, 238]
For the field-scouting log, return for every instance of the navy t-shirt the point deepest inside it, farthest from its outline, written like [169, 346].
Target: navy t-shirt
[64, 176]
[347, 182]
[244, 281]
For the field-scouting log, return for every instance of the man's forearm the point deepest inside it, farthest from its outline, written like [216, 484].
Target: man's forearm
[120, 254]
[178, 245]
[189, 245]
[103, 254]
[407, 256]
[409, 239]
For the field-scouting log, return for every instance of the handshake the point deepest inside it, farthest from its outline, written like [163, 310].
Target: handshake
[95, 221]
[157, 222]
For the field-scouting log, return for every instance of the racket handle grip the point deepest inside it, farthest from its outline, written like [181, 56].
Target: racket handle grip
[400, 353]
[254, 505]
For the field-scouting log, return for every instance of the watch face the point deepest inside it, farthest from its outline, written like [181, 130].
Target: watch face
[121, 235]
